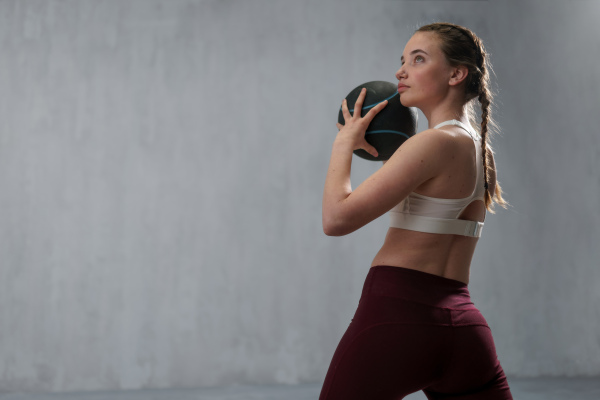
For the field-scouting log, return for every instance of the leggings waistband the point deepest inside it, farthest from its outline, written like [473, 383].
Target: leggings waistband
[418, 286]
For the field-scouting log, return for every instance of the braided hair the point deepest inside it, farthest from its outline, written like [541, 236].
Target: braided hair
[462, 47]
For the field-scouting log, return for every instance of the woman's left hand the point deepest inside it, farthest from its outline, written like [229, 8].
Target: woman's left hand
[355, 127]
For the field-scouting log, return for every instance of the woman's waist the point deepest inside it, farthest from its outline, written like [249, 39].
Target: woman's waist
[417, 286]
[443, 255]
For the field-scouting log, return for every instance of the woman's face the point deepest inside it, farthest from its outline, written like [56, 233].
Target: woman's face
[424, 70]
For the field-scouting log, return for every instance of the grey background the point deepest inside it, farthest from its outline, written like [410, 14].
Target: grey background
[162, 166]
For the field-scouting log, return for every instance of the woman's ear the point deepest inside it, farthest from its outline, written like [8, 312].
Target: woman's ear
[459, 75]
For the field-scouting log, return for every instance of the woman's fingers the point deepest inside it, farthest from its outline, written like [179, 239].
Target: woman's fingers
[358, 109]
[345, 111]
[373, 112]
[359, 103]
[370, 149]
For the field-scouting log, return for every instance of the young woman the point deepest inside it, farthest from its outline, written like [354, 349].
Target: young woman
[416, 327]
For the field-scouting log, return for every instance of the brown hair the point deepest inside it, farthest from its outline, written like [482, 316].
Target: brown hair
[462, 47]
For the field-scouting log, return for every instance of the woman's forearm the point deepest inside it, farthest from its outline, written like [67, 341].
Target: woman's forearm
[337, 184]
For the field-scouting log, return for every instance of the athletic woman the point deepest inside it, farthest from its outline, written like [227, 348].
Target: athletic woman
[416, 327]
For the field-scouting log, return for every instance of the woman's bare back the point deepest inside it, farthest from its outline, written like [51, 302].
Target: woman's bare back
[444, 255]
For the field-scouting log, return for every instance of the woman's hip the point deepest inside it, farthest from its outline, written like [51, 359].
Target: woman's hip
[401, 295]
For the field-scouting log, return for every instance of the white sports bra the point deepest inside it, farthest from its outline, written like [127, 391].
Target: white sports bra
[434, 215]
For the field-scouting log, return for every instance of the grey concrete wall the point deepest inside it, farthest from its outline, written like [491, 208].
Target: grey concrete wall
[162, 166]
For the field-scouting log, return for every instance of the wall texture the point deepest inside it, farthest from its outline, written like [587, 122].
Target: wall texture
[162, 166]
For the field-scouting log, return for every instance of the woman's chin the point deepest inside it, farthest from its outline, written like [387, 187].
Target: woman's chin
[405, 102]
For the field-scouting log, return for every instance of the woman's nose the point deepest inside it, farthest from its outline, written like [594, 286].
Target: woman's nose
[399, 74]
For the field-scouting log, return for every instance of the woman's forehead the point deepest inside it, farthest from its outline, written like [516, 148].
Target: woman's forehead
[421, 40]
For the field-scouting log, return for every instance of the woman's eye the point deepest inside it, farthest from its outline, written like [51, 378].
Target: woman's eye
[421, 57]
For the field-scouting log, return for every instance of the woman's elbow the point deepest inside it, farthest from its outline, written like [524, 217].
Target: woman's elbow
[331, 231]
[337, 227]
[332, 227]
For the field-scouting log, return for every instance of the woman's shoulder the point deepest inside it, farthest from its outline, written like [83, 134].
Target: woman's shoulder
[435, 133]
[451, 142]
[431, 149]
[432, 141]
[436, 136]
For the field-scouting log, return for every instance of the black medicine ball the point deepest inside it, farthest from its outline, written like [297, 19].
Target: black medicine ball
[391, 126]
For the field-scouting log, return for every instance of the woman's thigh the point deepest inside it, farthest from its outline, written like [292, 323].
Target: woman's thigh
[474, 371]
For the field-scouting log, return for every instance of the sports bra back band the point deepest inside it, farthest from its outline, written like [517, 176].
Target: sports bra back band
[422, 213]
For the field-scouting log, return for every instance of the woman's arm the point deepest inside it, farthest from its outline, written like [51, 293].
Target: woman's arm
[419, 159]
[350, 137]
[337, 185]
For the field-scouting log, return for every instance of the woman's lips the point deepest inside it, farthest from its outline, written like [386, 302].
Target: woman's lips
[401, 88]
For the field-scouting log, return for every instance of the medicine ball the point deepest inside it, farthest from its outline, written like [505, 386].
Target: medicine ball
[391, 126]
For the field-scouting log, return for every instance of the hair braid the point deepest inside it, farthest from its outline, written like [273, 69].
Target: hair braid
[485, 107]
[484, 99]
[484, 96]
[462, 47]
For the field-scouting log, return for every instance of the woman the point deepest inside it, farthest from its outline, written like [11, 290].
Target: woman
[416, 327]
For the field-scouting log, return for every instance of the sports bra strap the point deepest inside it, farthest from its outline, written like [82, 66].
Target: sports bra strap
[474, 135]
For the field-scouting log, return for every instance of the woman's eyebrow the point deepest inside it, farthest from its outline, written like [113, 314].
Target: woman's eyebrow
[413, 52]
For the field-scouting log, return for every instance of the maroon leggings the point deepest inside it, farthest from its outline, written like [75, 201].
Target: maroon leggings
[415, 331]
